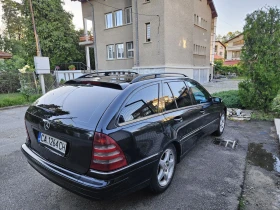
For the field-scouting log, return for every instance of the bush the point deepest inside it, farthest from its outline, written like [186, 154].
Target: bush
[221, 69]
[230, 98]
[260, 59]
[9, 82]
[275, 105]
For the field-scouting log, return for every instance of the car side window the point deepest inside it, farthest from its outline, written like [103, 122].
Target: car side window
[199, 93]
[181, 93]
[168, 98]
[143, 103]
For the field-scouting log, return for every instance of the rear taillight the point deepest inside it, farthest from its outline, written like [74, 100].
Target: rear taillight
[28, 137]
[106, 154]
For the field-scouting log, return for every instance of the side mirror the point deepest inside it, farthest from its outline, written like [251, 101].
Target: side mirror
[216, 100]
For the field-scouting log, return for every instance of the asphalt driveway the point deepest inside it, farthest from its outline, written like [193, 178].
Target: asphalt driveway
[210, 177]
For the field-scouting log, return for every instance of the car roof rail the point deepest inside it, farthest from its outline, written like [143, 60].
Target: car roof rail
[109, 73]
[156, 75]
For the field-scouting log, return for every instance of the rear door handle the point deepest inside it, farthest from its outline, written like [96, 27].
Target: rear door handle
[178, 119]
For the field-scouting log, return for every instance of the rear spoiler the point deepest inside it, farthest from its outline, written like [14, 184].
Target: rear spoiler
[94, 83]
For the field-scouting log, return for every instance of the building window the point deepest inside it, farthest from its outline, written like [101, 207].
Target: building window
[221, 53]
[109, 20]
[129, 50]
[147, 1]
[110, 52]
[120, 51]
[236, 54]
[119, 18]
[128, 15]
[200, 21]
[148, 32]
[216, 48]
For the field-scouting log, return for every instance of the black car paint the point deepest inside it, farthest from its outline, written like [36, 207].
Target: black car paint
[141, 140]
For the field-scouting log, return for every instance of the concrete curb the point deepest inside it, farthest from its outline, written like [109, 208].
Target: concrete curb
[277, 125]
[13, 107]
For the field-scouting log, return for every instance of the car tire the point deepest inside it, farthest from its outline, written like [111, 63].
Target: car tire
[164, 171]
[222, 124]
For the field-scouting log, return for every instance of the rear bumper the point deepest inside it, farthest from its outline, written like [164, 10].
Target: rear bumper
[106, 186]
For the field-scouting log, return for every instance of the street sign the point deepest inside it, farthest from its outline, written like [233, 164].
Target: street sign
[42, 65]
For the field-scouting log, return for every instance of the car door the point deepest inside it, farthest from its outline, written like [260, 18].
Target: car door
[180, 115]
[203, 101]
[140, 132]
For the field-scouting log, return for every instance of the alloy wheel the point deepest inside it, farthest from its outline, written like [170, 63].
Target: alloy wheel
[222, 123]
[166, 168]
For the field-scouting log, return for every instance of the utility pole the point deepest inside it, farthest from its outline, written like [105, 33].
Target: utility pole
[39, 52]
[94, 37]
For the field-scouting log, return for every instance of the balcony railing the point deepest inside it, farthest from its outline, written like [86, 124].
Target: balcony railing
[240, 42]
[86, 38]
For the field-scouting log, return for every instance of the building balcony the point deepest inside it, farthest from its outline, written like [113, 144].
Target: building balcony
[86, 40]
[234, 48]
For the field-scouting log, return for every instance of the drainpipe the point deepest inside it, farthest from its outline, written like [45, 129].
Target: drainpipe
[213, 44]
[137, 33]
[94, 37]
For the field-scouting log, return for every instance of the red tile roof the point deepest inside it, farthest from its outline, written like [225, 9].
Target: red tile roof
[217, 57]
[5, 55]
[231, 63]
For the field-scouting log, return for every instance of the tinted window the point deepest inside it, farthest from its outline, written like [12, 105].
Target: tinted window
[143, 103]
[181, 94]
[199, 93]
[81, 106]
[168, 98]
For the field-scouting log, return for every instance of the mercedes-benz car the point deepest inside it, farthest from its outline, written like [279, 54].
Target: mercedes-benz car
[107, 134]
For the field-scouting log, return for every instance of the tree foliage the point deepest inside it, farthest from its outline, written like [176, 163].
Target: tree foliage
[13, 19]
[261, 58]
[221, 69]
[11, 38]
[58, 37]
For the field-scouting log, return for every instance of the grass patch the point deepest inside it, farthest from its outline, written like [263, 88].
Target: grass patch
[241, 203]
[13, 99]
[238, 78]
[260, 115]
[230, 98]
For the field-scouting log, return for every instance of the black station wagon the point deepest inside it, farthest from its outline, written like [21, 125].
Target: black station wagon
[110, 133]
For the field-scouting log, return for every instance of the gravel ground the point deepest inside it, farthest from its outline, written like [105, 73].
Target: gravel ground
[221, 85]
[210, 176]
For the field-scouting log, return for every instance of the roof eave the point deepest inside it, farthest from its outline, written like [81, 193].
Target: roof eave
[234, 38]
[213, 8]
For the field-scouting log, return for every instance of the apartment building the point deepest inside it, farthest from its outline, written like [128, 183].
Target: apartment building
[152, 35]
[220, 50]
[234, 47]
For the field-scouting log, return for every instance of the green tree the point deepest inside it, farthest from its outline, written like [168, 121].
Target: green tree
[13, 33]
[13, 20]
[261, 58]
[58, 38]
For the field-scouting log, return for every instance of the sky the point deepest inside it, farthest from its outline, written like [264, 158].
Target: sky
[231, 13]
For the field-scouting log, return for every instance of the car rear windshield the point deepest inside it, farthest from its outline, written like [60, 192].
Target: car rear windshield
[80, 106]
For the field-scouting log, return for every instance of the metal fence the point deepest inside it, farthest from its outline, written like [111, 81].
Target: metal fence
[10, 82]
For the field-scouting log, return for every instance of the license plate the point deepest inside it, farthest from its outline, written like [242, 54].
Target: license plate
[54, 143]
